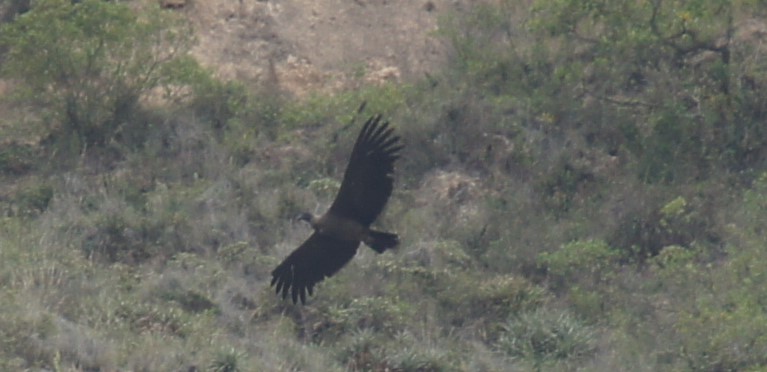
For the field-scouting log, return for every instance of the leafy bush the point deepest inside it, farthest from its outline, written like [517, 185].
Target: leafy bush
[589, 262]
[468, 300]
[585, 270]
[89, 86]
[644, 233]
[719, 319]
[16, 158]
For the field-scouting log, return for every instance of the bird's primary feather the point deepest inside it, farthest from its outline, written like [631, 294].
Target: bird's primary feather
[369, 177]
[318, 257]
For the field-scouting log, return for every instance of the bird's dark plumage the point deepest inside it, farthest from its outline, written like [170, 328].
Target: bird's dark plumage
[366, 187]
[318, 257]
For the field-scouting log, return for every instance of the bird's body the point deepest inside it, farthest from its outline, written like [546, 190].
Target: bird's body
[339, 227]
[366, 187]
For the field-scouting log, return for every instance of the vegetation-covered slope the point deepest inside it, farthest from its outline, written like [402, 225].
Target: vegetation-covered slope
[584, 187]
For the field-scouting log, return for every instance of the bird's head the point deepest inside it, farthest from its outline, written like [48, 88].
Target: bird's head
[307, 217]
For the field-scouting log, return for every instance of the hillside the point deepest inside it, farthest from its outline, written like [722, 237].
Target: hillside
[583, 186]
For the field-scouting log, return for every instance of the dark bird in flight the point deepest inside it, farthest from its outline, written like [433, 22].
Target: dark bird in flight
[367, 185]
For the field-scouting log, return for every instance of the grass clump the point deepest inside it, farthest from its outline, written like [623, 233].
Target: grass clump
[545, 338]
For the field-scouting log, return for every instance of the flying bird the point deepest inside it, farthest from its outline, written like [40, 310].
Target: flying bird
[365, 189]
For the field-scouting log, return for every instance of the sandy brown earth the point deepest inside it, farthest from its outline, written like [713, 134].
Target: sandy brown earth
[319, 45]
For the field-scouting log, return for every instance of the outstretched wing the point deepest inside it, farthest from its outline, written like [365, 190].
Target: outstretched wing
[369, 177]
[317, 258]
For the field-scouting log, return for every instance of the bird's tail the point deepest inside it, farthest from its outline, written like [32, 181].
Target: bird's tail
[381, 241]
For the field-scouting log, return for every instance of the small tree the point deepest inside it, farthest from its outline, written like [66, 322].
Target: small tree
[86, 64]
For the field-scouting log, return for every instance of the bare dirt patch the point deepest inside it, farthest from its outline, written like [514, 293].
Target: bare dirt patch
[320, 45]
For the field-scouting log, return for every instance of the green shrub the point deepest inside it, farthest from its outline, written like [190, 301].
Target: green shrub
[16, 158]
[90, 85]
[680, 222]
[719, 320]
[590, 263]
[585, 271]
[565, 183]
[468, 300]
